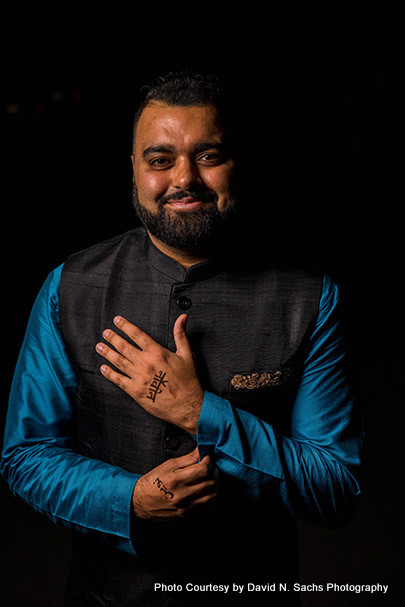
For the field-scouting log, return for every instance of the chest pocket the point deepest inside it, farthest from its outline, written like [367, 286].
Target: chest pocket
[268, 395]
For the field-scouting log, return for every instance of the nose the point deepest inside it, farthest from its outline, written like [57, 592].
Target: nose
[185, 174]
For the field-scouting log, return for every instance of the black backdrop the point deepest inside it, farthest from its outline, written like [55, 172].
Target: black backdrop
[323, 180]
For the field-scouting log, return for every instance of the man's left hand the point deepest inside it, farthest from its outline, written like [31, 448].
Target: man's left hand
[164, 383]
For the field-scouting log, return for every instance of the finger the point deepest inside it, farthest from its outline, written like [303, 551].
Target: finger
[120, 362]
[118, 379]
[122, 346]
[190, 495]
[195, 473]
[142, 339]
[183, 347]
[184, 461]
[204, 495]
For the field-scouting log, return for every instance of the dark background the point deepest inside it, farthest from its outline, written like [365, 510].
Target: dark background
[320, 105]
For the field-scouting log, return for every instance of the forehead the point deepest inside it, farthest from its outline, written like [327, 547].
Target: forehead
[181, 126]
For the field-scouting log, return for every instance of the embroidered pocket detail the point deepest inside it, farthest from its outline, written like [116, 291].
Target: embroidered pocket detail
[253, 381]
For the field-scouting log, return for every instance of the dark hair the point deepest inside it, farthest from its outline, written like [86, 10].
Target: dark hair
[185, 89]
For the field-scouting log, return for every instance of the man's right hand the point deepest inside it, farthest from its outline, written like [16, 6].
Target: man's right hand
[177, 488]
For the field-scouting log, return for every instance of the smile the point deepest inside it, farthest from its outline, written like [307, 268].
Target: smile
[184, 204]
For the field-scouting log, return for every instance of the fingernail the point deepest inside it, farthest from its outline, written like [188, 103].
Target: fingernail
[99, 347]
[103, 368]
[106, 333]
[117, 320]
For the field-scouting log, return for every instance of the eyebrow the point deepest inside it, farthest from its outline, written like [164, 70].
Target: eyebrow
[158, 149]
[169, 149]
[208, 145]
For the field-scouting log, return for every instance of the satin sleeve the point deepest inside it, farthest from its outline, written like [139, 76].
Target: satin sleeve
[315, 471]
[38, 461]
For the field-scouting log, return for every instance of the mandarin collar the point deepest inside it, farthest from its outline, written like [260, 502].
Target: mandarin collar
[173, 269]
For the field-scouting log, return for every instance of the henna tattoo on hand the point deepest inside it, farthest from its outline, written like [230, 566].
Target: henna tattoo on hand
[158, 382]
[168, 494]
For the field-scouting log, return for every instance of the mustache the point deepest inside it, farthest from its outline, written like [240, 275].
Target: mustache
[204, 195]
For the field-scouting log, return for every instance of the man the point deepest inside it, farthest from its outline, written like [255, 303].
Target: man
[178, 403]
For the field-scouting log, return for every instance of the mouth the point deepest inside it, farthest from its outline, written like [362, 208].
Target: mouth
[184, 204]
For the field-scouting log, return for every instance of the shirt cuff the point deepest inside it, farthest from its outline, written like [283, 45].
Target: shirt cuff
[214, 418]
[122, 520]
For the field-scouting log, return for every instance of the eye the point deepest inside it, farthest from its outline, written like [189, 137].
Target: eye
[211, 158]
[160, 163]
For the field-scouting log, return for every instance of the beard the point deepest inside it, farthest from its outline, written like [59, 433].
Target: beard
[193, 231]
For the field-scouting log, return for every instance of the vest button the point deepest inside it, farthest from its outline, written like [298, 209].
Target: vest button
[183, 302]
[172, 442]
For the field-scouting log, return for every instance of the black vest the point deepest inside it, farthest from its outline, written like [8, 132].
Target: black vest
[249, 328]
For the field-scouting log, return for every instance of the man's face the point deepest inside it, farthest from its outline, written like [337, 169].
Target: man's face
[182, 174]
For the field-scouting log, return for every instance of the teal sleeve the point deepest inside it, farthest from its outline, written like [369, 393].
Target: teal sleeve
[38, 462]
[314, 471]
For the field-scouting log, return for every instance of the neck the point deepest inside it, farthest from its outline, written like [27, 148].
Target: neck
[182, 257]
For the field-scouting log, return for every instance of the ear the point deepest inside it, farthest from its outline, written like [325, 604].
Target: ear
[133, 169]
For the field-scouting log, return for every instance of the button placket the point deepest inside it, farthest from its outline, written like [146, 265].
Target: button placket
[172, 442]
[183, 302]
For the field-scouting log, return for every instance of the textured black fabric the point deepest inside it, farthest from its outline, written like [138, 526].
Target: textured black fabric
[242, 320]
